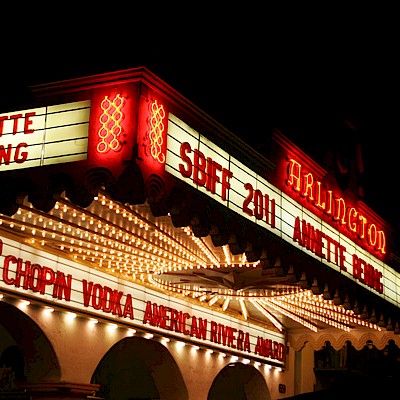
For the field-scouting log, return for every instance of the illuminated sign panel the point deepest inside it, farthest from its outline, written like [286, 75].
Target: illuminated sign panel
[346, 217]
[28, 271]
[214, 172]
[194, 159]
[44, 136]
[155, 137]
[110, 124]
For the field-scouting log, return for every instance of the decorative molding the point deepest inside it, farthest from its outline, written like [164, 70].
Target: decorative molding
[357, 337]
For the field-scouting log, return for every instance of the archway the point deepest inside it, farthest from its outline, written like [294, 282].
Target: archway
[239, 382]
[25, 348]
[137, 368]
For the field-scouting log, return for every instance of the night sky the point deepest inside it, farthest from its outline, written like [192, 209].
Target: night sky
[251, 70]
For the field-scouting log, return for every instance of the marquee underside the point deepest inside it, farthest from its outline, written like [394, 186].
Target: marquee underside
[184, 244]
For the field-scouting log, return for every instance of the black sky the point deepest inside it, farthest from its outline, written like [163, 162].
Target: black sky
[252, 70]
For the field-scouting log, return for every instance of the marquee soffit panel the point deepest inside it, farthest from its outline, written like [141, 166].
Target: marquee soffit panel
[128, 241]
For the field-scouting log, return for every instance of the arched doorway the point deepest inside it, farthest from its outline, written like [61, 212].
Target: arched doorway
[239, 382]
[25, 350]
[138, 368]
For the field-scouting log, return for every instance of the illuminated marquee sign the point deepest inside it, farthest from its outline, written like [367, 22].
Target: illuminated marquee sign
[25, 270]
[44, 136]
[196, 160]
[312, 190]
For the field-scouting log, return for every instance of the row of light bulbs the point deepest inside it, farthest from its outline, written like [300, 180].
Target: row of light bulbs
[70, 316]
[130, 245]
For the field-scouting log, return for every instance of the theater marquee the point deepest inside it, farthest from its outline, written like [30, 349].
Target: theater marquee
[197, 161]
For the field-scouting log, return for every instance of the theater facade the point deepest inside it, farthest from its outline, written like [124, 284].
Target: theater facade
[146, 252]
